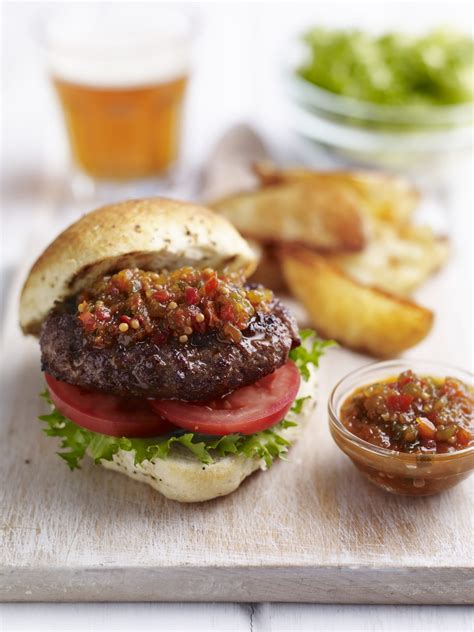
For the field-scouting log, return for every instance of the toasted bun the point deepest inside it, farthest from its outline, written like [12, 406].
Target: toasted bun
[152, 234]
[182, 477]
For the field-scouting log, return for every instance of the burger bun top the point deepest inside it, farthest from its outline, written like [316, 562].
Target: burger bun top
[151, 234]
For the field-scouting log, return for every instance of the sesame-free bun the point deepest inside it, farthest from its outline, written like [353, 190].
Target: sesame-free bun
[152, 234]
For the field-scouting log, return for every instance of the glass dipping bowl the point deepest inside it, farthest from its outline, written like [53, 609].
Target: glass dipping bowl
[398, 472]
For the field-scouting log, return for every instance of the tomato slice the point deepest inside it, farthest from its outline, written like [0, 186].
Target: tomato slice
[246, 410]
[108, 414]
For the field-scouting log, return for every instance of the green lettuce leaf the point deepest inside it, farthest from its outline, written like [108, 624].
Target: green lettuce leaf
[265, 445]
[309, 352]
[76, 441]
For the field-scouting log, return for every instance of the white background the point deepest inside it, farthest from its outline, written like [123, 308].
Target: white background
[237, 59]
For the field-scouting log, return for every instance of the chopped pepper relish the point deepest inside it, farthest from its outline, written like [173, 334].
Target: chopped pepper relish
[134, 305]
[410, 413]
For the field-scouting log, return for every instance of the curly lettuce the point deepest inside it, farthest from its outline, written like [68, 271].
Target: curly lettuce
[309, 352]
[265, 445]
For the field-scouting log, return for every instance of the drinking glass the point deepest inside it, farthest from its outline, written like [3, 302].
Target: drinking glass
[120, 72]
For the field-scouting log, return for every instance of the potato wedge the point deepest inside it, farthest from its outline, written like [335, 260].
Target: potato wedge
[268, 272]
[325, 219]
[396, 260]
[360, 317]
[384, 196]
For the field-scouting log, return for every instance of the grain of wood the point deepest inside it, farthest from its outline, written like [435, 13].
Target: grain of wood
[307, 530]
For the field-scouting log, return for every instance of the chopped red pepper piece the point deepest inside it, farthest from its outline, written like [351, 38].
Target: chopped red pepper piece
[88, 321]
[192, 295]
[393, 401]
[161, 296]
[405, 402]
[211, 286]
[463, 436]
[227, 313]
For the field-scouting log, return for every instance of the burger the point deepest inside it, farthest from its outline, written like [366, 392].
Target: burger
[160, 360]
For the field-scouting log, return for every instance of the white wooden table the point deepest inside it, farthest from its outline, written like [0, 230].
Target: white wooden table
[227, 617]
[33, 160]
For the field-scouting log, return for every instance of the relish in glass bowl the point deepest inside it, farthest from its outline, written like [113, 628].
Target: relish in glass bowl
[406, 425]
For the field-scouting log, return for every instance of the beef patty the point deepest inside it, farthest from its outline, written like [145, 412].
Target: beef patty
[200, 370]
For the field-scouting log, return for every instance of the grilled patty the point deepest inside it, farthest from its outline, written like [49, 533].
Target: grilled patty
[200, 370]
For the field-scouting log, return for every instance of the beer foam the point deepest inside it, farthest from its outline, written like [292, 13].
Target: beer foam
[123, 49]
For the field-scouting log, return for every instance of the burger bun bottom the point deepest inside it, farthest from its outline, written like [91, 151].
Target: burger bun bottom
[183, 478]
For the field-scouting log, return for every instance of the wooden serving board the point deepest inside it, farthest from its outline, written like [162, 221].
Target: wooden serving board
[310, 529]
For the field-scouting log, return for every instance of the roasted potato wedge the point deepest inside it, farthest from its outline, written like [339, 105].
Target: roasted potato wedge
[384, 196]
[360, 317]
[322, 218]
[268, 272]
[396, 260]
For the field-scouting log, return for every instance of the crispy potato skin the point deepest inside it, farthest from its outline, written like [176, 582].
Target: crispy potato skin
[321, 218]
[397, 259]
[384, 196]
[360, 317]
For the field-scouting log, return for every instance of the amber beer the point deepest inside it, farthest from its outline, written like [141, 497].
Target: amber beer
[121, 133]
[120, 74]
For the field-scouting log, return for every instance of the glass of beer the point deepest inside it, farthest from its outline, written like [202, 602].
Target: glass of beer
[120, 72]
